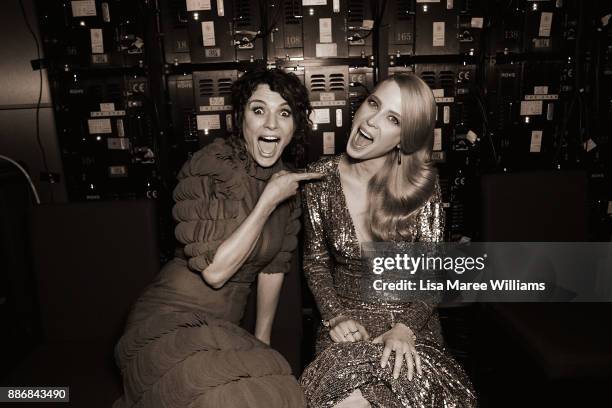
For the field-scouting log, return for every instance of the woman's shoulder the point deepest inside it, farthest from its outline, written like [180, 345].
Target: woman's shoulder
[325, 165]
[218, 161]
[214, 158]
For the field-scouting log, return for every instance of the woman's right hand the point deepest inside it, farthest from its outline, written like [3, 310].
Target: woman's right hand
[347, 330]
[283, 185]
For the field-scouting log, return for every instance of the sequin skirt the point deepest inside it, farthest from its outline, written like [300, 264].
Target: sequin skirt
[343, 367]
[340, 368]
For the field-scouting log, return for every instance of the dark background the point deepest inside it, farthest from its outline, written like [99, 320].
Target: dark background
[524, 118]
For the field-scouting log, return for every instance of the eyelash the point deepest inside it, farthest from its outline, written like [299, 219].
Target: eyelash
[393, 119]
[259, 108]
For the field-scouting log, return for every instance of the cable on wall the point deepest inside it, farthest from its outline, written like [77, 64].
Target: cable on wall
[40, 90]
[25, 173]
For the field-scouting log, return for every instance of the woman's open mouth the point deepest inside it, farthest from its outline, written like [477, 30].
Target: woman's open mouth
[362, 139]
[267, 145]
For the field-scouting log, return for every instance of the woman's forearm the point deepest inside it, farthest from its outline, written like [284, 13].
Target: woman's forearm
[235, 250]
[268, 292]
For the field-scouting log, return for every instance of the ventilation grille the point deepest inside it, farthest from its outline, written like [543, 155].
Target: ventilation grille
[356, 10]
[330, 82]
[225, 86]
[430, 78]
[293, 10]
[336, 82]
[243, 13]
[207, 87]
[447, 79]
[317, 83]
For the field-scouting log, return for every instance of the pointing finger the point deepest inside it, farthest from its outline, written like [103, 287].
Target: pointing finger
[307, 176]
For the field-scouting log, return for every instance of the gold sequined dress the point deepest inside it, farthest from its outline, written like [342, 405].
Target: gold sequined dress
[332, 266]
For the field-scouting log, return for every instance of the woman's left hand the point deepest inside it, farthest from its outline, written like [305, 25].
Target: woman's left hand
[400, 339]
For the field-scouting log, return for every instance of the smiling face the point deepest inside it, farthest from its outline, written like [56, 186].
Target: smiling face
[267, 125]
[377, 124]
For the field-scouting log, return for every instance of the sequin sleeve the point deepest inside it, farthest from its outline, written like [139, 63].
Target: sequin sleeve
[431, 229]
[317, 260]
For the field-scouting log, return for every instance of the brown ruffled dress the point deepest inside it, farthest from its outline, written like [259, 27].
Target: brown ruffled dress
[182, 346]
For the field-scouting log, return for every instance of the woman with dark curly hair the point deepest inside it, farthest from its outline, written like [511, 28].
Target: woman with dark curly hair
[237, 217]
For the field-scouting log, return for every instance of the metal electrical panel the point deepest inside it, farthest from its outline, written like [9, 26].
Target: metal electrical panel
[361, 84]
[436, 28]
[210, 26]
[360, 26]
[107, 138]
[507, 21]
[543, 26]
[540, 107]
[399, 18]
[286, 39]
[183, 114]
[212, 91]
[94, 34]
[325, 29]
[328, 88]
[174, 19]
[472, 20]
[469, 109]
[248, 30]
[441, 78]
[503, 100]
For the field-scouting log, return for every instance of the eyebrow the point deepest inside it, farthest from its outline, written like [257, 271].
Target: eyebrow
[264, 102]
[380, 102]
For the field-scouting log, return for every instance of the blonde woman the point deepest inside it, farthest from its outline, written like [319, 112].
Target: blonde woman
[383, 189]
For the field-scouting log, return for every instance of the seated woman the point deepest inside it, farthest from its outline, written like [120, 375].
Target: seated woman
[383, 189]
[237, 221]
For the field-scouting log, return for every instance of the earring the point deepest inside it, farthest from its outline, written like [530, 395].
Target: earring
[399, 156]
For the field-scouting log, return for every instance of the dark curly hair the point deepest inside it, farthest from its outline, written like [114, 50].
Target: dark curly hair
[286, 85]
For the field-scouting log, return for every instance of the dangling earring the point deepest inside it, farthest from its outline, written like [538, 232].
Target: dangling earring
[399, 155]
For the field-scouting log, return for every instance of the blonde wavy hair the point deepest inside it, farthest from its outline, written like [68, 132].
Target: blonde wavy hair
[397, 191]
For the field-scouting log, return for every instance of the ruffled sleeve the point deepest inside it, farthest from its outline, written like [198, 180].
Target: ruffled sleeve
[207, 202]
[431, 229]
[281, 263]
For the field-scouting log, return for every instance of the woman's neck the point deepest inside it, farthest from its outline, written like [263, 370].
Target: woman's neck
[364, 169]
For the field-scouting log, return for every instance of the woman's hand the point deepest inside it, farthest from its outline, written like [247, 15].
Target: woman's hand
[347, 330]
[400, 339]
[283, 185]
